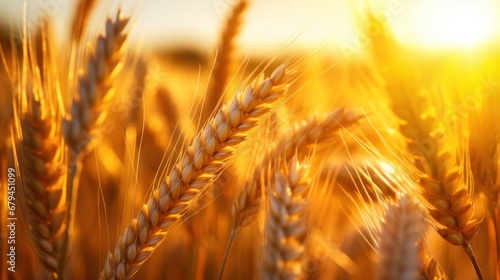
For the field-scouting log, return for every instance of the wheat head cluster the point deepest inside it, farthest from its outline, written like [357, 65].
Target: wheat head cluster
[293, 164]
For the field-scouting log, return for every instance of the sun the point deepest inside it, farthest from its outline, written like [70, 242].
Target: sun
[451, 24]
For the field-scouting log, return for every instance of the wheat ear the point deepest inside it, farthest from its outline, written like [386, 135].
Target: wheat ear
[203, 160]
[90, 104]
[401, 232]
[441, 178]
[247, 203]
[286, 230]
[301, 137]
[95, 90]
[224, 62]
[41, 158]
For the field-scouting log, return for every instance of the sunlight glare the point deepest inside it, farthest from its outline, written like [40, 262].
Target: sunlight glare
[445, 23]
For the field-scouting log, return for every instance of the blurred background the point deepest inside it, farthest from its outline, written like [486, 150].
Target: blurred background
[450, 44]
[425, 23]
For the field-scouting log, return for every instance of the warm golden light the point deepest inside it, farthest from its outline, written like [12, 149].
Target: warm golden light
[445, 24]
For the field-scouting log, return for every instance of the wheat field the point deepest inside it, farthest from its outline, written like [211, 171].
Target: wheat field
[119, 161]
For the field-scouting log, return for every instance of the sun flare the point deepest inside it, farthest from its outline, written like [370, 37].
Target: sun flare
[451, 24]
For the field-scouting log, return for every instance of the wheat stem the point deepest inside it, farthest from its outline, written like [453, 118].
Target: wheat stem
[232, 236]
[470, 253]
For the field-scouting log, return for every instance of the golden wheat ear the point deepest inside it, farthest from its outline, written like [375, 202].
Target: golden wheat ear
[202, 162]
[441, 178]
[302, 137]
[286, 223]
[224, 62]
[90, 106]
[41, 158]
[95, 87]
[400, 235]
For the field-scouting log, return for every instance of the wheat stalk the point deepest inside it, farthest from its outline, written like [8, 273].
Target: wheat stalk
[203, 160]
[302, 136]
[400, 234]
[286, 230]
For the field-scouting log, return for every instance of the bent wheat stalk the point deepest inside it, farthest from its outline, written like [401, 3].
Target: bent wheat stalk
[286, 229]
[201, 163]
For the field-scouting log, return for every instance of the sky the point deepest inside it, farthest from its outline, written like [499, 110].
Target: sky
[270, 23]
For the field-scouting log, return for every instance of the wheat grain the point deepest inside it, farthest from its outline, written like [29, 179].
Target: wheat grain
[203, 160]
[286, 226]
[304, 134]
[400, 234]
